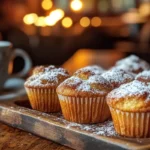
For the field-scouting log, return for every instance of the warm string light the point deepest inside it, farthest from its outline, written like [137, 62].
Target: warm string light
[40, 22]
[57, 15]
[84, 21]
[47, 4]
[30, 18]
[76, 5]
[49, 21]
[96, 21]
[67, 22]
[54, 17]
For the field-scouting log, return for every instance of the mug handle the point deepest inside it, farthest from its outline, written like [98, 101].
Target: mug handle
[28, 63]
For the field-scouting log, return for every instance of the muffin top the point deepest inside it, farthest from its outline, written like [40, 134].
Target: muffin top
[38, 69]
[88, 71]
[144, 76]
[130, 97]
[132, 64]
[84, 84]
[46, 77]
[116, 77]
[42, 69]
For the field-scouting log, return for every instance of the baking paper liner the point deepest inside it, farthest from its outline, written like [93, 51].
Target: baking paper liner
[84, 109]
[131, 124]
[45, 100]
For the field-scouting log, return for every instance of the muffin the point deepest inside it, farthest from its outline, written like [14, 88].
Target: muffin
[130, 109]
[82, 98]
[41, 88]
[39, 69]
[132, 64]
[144, 76]
[116, 77]
[92, 70]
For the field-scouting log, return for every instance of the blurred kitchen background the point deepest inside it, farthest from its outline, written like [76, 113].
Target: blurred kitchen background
[52, 31]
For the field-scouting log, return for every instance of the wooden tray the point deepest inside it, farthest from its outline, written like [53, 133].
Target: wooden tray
[18, 113]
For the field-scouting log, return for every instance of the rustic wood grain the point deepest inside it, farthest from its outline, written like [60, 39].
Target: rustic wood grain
[53, 127]
[15, 139]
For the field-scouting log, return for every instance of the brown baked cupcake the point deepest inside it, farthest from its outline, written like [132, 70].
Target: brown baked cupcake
[132, 64]
[82, 98]
[130, 109]
[144, 76]
[41, 88]
[91, 70]
[116, 77]
[42, 69]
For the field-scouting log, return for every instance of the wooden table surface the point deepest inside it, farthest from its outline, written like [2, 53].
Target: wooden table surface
[15, 139]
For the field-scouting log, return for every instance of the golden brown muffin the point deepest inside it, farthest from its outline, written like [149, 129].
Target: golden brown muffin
[82, 98]
[88, 71]
[38, 69]
[116, 77]
[144, 76]
[41, 88]
[132, 64]
[130, 109]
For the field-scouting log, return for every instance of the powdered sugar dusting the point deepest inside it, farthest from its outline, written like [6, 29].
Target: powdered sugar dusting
[86, 85]
[117, 76]
[49, 76]
[104, 129]
[133, 64]
[134, 88]
[94, 69]
[72, 81]
[145, 75]
[131, 58]
[96, 79]
[87, 79]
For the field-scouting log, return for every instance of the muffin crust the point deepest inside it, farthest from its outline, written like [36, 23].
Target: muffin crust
[132, 64]
[84, 83]
[116, 77]
[130, 97]
[46, 77]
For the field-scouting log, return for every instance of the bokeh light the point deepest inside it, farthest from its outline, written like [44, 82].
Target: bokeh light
[76, 5]
[30, 18]
[49, 21]
[67, 22]
[85, 22]
[144, 9]
[54, 17]
[96, 21]
[40, 22]
[132, 16]
[47, 4]
[57, 14]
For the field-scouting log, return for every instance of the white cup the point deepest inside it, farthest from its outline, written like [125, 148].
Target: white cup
[6, 56]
